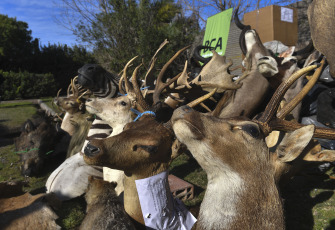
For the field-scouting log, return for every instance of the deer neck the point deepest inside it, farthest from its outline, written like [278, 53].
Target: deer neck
[117, 129]
[235, 195]
[131, 200]
[66, 124]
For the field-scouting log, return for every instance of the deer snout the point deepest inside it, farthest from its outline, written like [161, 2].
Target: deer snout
[264, 58]
[180, 112]
[91, 150]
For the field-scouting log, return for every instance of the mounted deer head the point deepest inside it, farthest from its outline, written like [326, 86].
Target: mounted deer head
[143, 149]
[240, 193]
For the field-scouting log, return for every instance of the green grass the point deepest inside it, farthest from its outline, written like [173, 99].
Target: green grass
[12, 116]
[309, 200]
[15, 114]
[49, 102]
[9, 164]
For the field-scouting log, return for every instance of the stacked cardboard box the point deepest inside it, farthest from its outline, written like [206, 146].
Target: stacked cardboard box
[275, 23]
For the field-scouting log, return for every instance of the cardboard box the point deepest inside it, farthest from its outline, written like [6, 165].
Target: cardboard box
[275, 23]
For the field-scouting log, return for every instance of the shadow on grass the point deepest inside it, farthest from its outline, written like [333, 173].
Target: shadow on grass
[302, 195]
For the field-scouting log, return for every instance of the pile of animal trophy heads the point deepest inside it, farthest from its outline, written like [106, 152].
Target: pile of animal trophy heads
[246, 132]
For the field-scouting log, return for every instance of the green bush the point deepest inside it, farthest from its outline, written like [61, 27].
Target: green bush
[25, 85]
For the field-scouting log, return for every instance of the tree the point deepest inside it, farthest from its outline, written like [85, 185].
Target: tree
[16, 44]
[119, 30]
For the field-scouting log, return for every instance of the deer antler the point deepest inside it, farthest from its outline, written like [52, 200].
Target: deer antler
[293, 103]
[149, 74]
[160, 85]
[268, 122]
[215, 75]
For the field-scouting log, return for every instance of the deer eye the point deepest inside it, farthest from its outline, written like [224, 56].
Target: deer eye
[252, 130]
[123, 103]
[293, 60]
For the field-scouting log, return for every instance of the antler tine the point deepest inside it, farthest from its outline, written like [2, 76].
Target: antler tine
[58, 93]
[159, 48]
[296, 100]
[83, 94]
[272, 106]
[182, 80]
[68, 90]
[222, 102]
[74, 89]
[141, 104]
[152, 63]
[124, 75]
[160, 86]
[201, 99]
[193, 104]
[283, 125]
[120, 85]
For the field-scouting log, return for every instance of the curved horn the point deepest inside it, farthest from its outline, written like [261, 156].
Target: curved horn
[303, 53]
[197, 55]
[237, 21]
[244, 29]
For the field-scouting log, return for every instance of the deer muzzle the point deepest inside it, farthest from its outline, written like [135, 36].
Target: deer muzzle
[91, 150]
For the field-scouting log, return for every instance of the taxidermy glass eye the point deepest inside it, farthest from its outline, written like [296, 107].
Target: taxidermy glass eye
[252, 130]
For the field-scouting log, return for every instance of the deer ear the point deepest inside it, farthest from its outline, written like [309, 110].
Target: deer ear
[294, 143]
[28, 126]
[322, 156]
[151, 149]
[287, 53]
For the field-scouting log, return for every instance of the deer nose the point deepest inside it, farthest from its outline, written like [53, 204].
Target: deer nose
[181, 112]
[265, 58]
[186, 109]
[91, 150]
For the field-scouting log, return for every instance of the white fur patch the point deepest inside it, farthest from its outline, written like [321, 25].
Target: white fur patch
[218, 207]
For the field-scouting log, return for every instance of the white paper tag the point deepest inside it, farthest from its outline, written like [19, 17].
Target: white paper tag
[160, 210]
[286, 14]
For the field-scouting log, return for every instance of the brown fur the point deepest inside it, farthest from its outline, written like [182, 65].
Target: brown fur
[75, 123]
[241, 191]
[255, 86]
[142, 150]
[26, 211]
[104, 209]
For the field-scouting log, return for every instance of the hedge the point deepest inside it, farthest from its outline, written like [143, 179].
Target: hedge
[25, 85]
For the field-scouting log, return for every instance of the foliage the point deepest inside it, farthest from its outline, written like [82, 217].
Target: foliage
[62, 61]
[19, 52]
[124, 29]
[26, 85]
[16, 44]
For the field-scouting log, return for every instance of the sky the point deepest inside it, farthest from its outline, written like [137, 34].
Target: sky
[41, 18]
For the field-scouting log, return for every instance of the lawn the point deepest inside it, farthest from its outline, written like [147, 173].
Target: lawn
[309, 199]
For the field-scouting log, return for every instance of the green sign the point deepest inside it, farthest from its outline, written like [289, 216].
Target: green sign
[216, 34]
